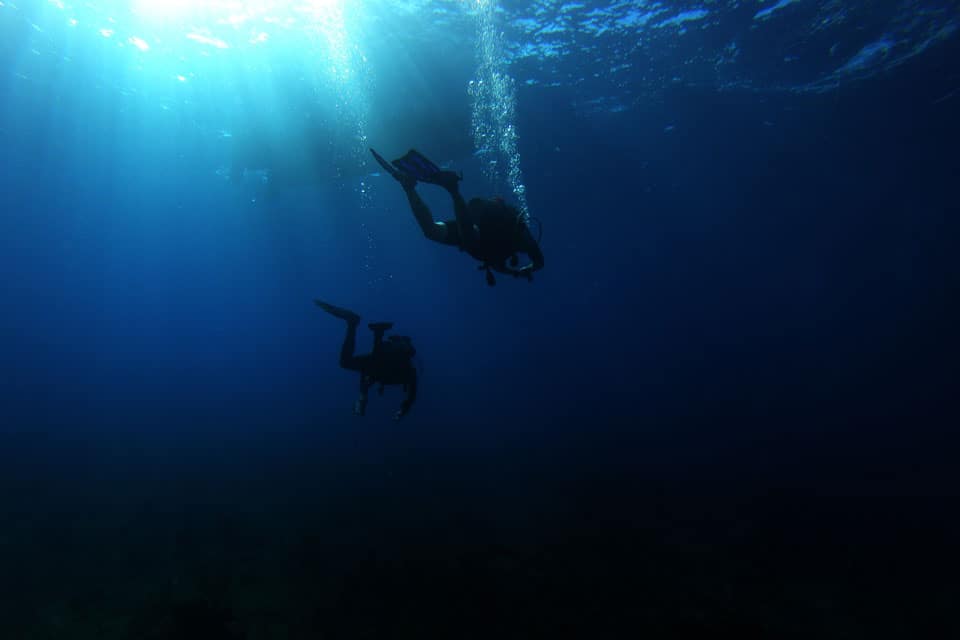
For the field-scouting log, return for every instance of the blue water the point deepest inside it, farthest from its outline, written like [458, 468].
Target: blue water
[726, 405]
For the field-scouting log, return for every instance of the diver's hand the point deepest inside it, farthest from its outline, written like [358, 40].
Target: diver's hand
[524, 272]
[404, 410]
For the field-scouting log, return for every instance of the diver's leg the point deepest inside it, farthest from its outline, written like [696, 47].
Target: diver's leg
[459, 204]
[436, 231]
[460, 212]
[347, 359]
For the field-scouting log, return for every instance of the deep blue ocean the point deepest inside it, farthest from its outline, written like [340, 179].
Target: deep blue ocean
[726, 407]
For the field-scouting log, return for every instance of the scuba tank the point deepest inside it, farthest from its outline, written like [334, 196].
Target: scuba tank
[399, 347]
[394, 354]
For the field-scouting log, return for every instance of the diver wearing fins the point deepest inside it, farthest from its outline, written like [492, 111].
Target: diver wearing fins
[490, 230]
[390, 362]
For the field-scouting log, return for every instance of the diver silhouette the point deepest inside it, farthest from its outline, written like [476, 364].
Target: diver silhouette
[390, 362]
[488, 229]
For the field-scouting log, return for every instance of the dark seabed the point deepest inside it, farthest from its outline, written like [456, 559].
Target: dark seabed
[727, 407]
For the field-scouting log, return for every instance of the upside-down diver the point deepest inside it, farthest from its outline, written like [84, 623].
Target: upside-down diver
[490, 230]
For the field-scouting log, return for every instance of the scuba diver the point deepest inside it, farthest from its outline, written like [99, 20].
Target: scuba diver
[490, 230]
[390, 362]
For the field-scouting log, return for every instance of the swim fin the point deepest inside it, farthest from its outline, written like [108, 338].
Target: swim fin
[423, 169]
[389, 168]
[338, 312]
[417, 165]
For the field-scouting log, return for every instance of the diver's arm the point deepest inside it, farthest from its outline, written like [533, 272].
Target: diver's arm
[436, 231]
[360, 406]
[527, 270]
[530, 247]
[411, 396]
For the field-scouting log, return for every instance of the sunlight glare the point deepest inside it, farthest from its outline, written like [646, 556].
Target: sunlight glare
[233, 12]
[139, 43]
[164, 9]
